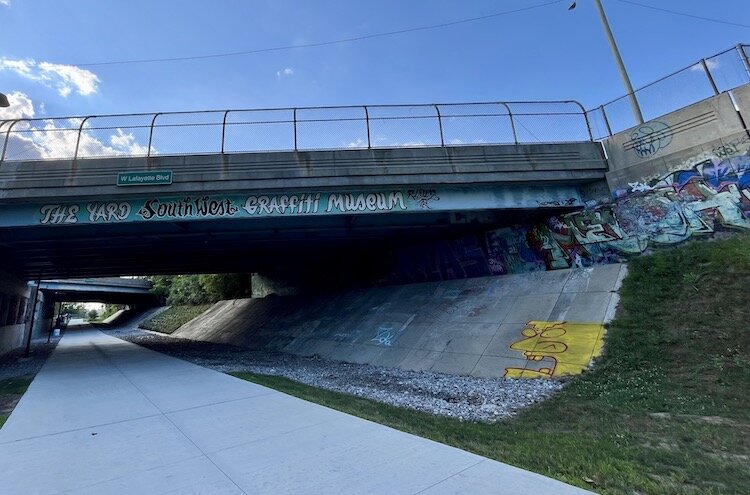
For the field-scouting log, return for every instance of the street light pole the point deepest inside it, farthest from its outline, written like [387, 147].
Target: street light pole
[620, 65]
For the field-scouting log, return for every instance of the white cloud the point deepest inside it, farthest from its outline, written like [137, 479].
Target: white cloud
[64, 78]
[5, 3]
[711, 63]
[57, 138]
[21, 107]
[127, 143]
[286, 72]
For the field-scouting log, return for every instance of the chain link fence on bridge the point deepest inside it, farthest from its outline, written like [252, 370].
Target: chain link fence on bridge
[706, 78]
[364, 127]
[293, 129]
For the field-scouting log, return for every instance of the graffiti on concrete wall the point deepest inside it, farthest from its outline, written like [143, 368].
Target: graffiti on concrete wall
[385, 336]
[509, 251]
[710, 195]
[651, 137]
[557, 348]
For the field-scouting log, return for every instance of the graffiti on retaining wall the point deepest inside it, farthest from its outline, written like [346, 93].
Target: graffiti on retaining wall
[699, 196]
[651, 137]
[712, 194]
[384, 336]
[508, 251]
[557, 348]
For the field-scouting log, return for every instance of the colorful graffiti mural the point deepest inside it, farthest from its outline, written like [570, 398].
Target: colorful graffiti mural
[711, 195]
[509, 251]
[561, 348]
[701, 195]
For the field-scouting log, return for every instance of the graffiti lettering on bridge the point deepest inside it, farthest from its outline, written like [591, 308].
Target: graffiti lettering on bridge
[423, 197]
[188, 207]
[59, 214]
[108, 212]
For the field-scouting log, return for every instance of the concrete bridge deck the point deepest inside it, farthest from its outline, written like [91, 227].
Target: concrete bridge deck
[512, 164]
[107, 416]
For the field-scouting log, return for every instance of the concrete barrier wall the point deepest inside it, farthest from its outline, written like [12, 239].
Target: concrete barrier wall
[14, 296]
[60, 180]
[488, 326]
[742, 98]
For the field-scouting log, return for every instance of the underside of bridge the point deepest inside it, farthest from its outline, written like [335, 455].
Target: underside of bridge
[237, 245]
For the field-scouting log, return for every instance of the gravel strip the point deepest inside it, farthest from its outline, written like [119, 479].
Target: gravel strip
[15, 365]
[462, 397]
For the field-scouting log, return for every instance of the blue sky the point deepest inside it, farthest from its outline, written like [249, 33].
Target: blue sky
[540, 54]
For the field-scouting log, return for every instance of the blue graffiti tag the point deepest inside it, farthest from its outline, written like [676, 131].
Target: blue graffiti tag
[385, 336]
[651, 137]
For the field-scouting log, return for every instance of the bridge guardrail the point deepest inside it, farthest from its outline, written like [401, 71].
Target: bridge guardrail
[366, 126]
[293, 129]
[707, 77]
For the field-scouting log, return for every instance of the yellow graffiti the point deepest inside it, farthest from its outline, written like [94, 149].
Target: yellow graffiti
[570, 346]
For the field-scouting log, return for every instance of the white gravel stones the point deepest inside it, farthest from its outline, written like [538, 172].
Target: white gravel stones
[463, 397]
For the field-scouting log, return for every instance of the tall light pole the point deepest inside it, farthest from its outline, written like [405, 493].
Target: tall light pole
[623, 73]
[618, 59]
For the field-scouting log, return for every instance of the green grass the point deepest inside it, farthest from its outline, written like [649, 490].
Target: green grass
[666, 410]
[10, 391]
[173, 318]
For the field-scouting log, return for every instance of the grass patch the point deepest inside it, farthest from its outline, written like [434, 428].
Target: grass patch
[666, 409]
[11, 391]
[173, 318]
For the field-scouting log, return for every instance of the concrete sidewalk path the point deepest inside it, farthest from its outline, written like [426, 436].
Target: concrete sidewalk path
[107, 416]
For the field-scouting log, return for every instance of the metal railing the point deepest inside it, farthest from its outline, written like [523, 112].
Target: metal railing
[293, 129]
[706, 78]
[363, 127]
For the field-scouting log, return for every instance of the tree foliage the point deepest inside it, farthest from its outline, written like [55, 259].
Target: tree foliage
[201, 289]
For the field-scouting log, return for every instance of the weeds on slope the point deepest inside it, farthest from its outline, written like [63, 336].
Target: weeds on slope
[666, 409]
[173, 318]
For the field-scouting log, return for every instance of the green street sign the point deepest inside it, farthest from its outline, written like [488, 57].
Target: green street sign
[148, 178]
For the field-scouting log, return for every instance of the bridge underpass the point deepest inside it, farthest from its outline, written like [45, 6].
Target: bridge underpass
[112, 290]
[235, 245]
[240, 190]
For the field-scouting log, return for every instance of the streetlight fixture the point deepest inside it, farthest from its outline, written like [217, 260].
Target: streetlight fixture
[4, 101]
[618, 59]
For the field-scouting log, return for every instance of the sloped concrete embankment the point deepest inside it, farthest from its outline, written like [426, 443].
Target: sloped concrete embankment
[539, 324]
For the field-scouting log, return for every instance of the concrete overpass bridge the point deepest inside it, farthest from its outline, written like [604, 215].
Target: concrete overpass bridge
[242, 190]
[111, 290]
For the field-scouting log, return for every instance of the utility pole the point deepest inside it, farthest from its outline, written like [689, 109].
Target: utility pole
[623, 73]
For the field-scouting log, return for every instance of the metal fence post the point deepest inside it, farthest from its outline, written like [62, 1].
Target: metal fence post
[585, 117]
[606, 120]
[151, 135]
[744, 57]
[440, 125]
[224, 130]
[512, 123]
[294, 116]
[710, 77]
[78, 139]
[367, 123]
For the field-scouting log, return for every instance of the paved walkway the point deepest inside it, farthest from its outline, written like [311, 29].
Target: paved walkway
[106, 416]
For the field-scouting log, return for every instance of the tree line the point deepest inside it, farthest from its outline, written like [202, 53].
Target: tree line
[176, 290]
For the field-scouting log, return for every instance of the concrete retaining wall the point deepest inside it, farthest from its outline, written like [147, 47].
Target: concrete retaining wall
[462, 327]
[14, 295]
